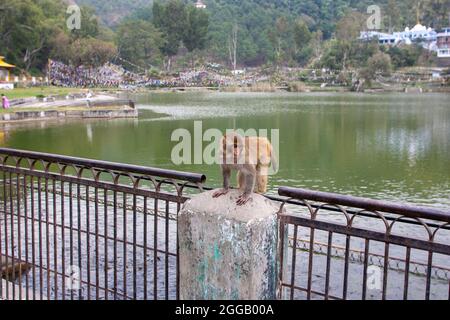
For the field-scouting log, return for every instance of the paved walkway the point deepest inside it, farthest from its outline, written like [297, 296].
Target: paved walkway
[65, 103]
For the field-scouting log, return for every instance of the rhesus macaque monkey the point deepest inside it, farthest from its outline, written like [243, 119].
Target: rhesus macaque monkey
[251, 157]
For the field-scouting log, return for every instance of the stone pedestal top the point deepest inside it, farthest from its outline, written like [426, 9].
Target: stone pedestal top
[258, 207]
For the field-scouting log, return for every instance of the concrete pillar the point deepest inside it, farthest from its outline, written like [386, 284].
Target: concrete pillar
[227, 251]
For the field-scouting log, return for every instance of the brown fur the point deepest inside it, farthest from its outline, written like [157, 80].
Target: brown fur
[251, 157]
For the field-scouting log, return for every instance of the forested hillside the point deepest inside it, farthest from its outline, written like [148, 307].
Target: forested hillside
[158, 34]
[322, 14]
[113, 11]
[257, 25]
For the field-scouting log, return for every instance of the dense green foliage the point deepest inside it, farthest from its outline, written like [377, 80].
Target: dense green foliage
[139, 41]
[32, 31]
[147, 33]
[257, 23]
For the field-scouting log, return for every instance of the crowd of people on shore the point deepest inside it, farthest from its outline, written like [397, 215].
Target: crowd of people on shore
[108, 75]
[115, 76]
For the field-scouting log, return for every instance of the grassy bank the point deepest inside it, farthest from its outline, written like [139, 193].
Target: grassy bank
[19, 93]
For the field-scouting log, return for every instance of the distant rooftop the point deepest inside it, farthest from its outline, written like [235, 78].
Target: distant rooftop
[200, 5]
[3, 64]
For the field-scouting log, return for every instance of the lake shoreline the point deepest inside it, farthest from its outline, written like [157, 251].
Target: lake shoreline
[73, 106]
[280, 89]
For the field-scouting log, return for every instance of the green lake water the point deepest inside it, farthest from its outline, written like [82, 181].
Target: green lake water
[383, 146]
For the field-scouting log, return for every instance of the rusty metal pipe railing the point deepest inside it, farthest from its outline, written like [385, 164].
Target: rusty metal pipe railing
[79, 219]
[82, 162]
[367, 204]
[392, 240]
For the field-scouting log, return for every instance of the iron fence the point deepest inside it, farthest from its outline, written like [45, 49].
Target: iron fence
[344, 247]
[74, 228]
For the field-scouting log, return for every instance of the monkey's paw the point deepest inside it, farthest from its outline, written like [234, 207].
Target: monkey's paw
[243, 199]
[220, 193]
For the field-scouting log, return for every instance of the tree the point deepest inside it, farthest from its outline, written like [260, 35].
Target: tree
[302, 38]
[436, 13]
[379, 63]
[26, 29]
[405, 56]
[316, 44]
[302, 35]
[347, 32]
[196, 31]
[232, 45]
[276, 37]
[170, 19]
[90, 52]
[393, 15]
[139, 41]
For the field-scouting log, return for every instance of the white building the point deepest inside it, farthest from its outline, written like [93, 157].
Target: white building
[200, 5]
[443, 43]
[418, 33]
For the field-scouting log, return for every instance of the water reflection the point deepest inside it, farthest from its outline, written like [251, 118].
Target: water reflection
[393, 147]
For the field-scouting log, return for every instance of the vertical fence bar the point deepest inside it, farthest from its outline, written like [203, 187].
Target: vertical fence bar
[385, 270]
[19, 233]
[145, 248]
[13, 263]
[282, 257]
[346, 264]
[2, 235]
[71, 232]
[310, 263]
[167, 251]
[41, 276]
[429, 267]
[63, 244]
[327, 276]
[155, 252]
[407, 261]
[366, 265]
[33, 237]
[47, 237]
[97, 271]
[115, 245]
[55, 237]
[7, 243]
[105, 217]
[6, 233]
[294, 258]
[134, 248]
[88, 244]
[124, 226]
[25, 210]
[80, 242]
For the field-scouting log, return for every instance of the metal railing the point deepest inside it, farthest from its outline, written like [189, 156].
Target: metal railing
[344, 247]
[73, 228]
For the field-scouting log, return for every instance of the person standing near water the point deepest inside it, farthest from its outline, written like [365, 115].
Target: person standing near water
[5, 102]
